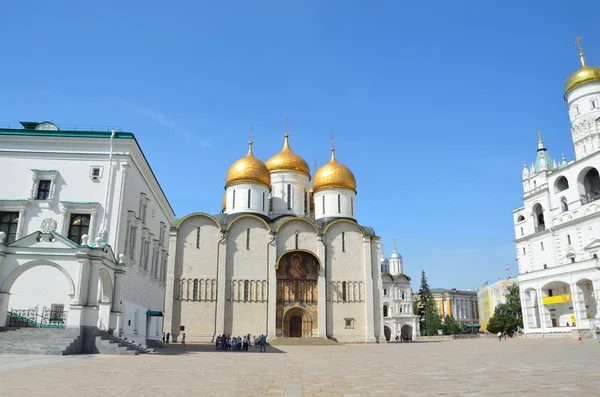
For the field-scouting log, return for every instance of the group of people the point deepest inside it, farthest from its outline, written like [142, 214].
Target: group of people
[167, 335]
[229, 343]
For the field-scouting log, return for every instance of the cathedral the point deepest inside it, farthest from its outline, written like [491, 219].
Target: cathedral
[284, 258]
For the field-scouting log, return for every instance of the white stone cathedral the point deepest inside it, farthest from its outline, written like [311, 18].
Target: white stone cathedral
[284, 258]
[558, 227]
[398, 317]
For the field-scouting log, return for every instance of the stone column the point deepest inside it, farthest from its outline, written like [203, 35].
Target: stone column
[545, 320]
[322, 290]
[578, 306]
[368, 301]
[596, 288]
[221, 286]
[170, 289]
[4, 299]
[114, 323]
[272, 289]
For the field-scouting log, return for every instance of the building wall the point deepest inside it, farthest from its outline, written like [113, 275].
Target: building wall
[329, 197]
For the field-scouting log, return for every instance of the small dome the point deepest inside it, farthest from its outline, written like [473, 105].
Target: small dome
[383, 260]
[334, 174]
[395, 255]
[248, 169]
[286, 160]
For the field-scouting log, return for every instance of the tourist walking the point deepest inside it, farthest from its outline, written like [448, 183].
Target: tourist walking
[168, 336]
[164, 337]
[183, 339]
[499, 336]
[263, 343]
[579, 337]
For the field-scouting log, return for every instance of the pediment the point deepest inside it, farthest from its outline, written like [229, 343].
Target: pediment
[594, 245]
[44, 240]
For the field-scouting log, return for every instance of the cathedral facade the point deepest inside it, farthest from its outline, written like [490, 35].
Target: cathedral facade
[284, 258]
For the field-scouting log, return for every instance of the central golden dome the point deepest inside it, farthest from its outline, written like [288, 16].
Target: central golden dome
[248, 169]
[286, 160]
[334, 174]
[583, 75]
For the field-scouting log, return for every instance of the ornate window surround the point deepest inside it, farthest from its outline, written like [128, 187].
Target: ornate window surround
[41, 175]
[133, 223]
[20, 206]
[75, 207]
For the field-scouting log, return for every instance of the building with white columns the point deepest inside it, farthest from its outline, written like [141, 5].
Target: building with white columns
[558, 227]
[398, 317]
[83, 232]
[284, 258]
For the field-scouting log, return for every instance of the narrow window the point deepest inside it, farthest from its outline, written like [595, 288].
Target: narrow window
[296, 239]
[248, 239]
[550, 293]
[521, 231]
[9, 222]
[136, 321]
[339, 203]
[43, 190]
[323, 205]
[305, 202]
[573, 260]
[524, 253]
[289, 196]
[246, 285]
[195, 291]
[384, 292]
[545, 266]
[343, 241]
[249, 198]
[263, 202]
[542, 245]
[344, 292]
[352, 205]
[198, 238]
[233, 203]
[563, 204]
[79, 225]
[568, 239]
[385, 311]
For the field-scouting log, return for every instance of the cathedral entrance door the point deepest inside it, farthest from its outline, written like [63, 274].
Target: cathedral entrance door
[295, 327]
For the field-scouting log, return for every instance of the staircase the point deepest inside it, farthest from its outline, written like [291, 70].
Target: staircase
[51, 341]
[109, 344]
[303, 342]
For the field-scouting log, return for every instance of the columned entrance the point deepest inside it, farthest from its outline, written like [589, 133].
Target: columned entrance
[297, 294]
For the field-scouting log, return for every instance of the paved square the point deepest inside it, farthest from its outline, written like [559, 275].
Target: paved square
[480, 367]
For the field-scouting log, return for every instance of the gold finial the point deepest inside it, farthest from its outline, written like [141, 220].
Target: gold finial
[394, 245]
[525, 164]
[578, 43]
[332, 141]
[315, 166]
[251, 133]
[563, 157]
[539, 136]
[250, 148]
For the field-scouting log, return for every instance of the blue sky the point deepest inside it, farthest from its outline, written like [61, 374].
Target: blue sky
[435, 105]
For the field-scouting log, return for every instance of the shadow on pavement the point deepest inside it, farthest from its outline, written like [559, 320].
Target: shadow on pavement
[177, 349]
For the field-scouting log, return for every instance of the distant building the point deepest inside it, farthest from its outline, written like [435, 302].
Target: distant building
[460, 304]
[398, 317]
[558, 227]
[489, 295]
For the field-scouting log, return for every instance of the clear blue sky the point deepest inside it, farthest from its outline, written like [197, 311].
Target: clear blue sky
[435, 105]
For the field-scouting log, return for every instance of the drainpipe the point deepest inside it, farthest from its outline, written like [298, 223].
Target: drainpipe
[103, 231]
[217, 291]
[269, 283]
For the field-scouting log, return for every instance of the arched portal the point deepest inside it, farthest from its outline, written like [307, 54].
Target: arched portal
[297, 323]
[297, 293]
[557, 305]
[387, 331]
[406, 332]
[105, 298]
[40, 294]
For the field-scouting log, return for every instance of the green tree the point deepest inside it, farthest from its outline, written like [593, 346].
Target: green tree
[433, 321]
[508, 317]
[451, 326]
[423, 302]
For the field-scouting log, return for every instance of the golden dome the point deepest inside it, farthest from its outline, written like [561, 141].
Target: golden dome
[286, 160]
[333, 174]
[248, 169]
[583, 75]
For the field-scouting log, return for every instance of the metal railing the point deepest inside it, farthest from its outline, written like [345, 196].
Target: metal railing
[48, 318]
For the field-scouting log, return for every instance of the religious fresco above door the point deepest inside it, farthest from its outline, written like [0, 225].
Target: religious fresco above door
[298, 265]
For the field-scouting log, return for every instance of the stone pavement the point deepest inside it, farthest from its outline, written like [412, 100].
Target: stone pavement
[480, 367]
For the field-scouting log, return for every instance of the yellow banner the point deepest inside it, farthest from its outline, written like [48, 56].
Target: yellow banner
[550, 300]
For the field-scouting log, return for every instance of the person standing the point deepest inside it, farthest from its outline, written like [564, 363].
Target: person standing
[164, 337]
[598, 334]
[499, 336]
[183, 340]
[263, 343]
[168, 336]
[579, 337]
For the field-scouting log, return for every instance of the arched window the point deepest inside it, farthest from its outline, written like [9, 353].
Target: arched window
[568, 239]
[195, 290]
[385, 311]
[343, 241]
[562, 184]
[296, 239]
[400, 309]
[521, 231]
[538, 213]
[289, 196]
[344, 292]
[521, 218]
[403, 295]
[249, 198]
[563, 204]
[591, 185]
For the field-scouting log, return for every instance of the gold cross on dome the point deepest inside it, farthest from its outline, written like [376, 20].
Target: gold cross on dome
[578, 43]
[286, 125]
[332, 140]
[250, 132]
[394, 244]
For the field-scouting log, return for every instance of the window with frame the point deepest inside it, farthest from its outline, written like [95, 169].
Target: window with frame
[248, 239]
[289, 196]
[249, 198]
[344, 291]
[246, 290]
[43, 190]
[79, 225]
[198, 237]
[195, 292]
[349, 323]
[568, 239]
[339, 203]
[296, 239]
[263, 201]
[343, 241]
[9, 224]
